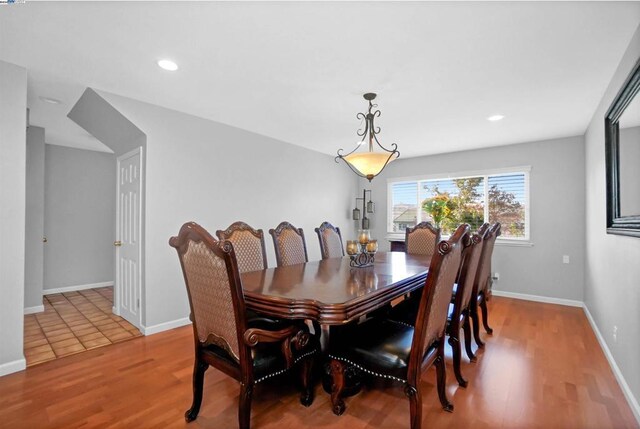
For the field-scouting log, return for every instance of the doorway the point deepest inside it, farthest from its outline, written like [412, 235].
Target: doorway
[129, 205]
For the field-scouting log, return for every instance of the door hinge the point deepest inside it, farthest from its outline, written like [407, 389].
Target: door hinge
[138, 303]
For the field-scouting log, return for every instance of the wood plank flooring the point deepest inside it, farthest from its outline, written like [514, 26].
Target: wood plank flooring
[73, 322]
[542, 368]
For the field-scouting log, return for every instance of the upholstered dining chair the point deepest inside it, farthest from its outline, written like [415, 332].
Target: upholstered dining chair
[248, 244]
[482, 283]
[289, 245]
[422, 239]
[399, 352]
[250, 250]
[223, 336]
[330, 241]
[460, 308]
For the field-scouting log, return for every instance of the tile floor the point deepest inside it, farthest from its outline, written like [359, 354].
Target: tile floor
[73, 322]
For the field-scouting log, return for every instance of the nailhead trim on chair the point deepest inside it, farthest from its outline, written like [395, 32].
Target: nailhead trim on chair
[390, 377]
[282, 371]
[401, 323]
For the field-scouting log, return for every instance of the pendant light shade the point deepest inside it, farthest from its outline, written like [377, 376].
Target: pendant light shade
[370, 163]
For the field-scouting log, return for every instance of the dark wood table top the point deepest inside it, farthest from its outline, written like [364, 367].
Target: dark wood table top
[330, 291]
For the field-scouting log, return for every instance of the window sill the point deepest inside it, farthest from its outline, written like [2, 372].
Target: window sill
[508, 243]
[514, 243]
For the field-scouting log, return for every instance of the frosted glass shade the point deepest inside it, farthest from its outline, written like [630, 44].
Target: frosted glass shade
[369, 164]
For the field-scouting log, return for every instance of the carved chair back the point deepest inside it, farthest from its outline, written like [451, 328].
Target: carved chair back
[432, 315]
[248, 244]
[470, 262]
[214, 289]
[330, 241]
[289, 245]
[484, 269]
[422, 239]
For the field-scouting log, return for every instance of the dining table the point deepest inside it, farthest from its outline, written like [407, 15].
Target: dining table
[331, 291]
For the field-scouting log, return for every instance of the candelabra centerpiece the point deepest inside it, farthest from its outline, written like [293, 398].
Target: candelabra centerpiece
[362, 251]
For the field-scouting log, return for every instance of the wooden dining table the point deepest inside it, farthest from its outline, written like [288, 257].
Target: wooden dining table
[330, 291]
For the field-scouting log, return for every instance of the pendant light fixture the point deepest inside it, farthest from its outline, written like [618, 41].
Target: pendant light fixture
[369, 164]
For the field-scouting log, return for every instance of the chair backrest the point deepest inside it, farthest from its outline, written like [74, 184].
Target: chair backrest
[330, 241]
[248, 244]
[434, 305]
[289, 244]
[422, 239]
[470, 262]
[213, 286]
[484, 269]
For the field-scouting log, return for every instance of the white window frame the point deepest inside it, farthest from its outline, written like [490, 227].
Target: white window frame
[515, 241]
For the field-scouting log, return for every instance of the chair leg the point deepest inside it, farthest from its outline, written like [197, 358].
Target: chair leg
[454, 342]
[442, 380]
[466, 326]
[485, 315]
[415, 404]
[199, 369]
[306, 373]
[244, 408]
[476, 326]
[337, 386]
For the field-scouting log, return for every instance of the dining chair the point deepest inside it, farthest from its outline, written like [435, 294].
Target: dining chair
[399, 352]
[330, 241]
[250, 250]
[223, 337]
[460, 308]
[482, 283]
[422, 239]
[248, 244]
[289, 245]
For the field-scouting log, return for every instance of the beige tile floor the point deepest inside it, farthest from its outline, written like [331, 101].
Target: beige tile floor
[73, 322]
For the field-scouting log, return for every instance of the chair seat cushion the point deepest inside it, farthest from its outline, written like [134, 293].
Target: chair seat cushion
[406, 312]
[262, 321]
[268, 358]
[379, 347]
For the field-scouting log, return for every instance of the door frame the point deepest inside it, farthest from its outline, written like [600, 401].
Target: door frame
[116, 289]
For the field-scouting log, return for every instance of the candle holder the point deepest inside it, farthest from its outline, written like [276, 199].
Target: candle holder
[362, 251]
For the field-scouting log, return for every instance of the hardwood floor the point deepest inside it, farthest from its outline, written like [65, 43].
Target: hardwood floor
[542, 368]
[73, 322]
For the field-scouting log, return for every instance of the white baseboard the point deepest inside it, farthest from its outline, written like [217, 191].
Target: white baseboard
[35, 309]
[76, 288]
[538, 298]
[628, 394]
[154, 329]
[13, 366]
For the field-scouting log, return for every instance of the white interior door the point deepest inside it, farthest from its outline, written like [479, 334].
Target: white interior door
[128, 244]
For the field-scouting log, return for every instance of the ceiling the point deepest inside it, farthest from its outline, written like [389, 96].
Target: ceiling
[296, 71]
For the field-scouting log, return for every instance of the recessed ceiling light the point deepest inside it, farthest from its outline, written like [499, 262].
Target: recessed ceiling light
[495, 118]
[50, 100]
[167, 65]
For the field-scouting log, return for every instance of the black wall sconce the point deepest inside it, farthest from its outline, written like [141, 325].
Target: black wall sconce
[367, 207]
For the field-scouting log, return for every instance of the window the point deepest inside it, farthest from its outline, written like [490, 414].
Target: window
[468, 198]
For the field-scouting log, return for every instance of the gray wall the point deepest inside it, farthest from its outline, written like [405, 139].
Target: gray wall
[80, 200]
[215, 174]
[557, 211]
[34, 219]
[13, 123]
[612, 288]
